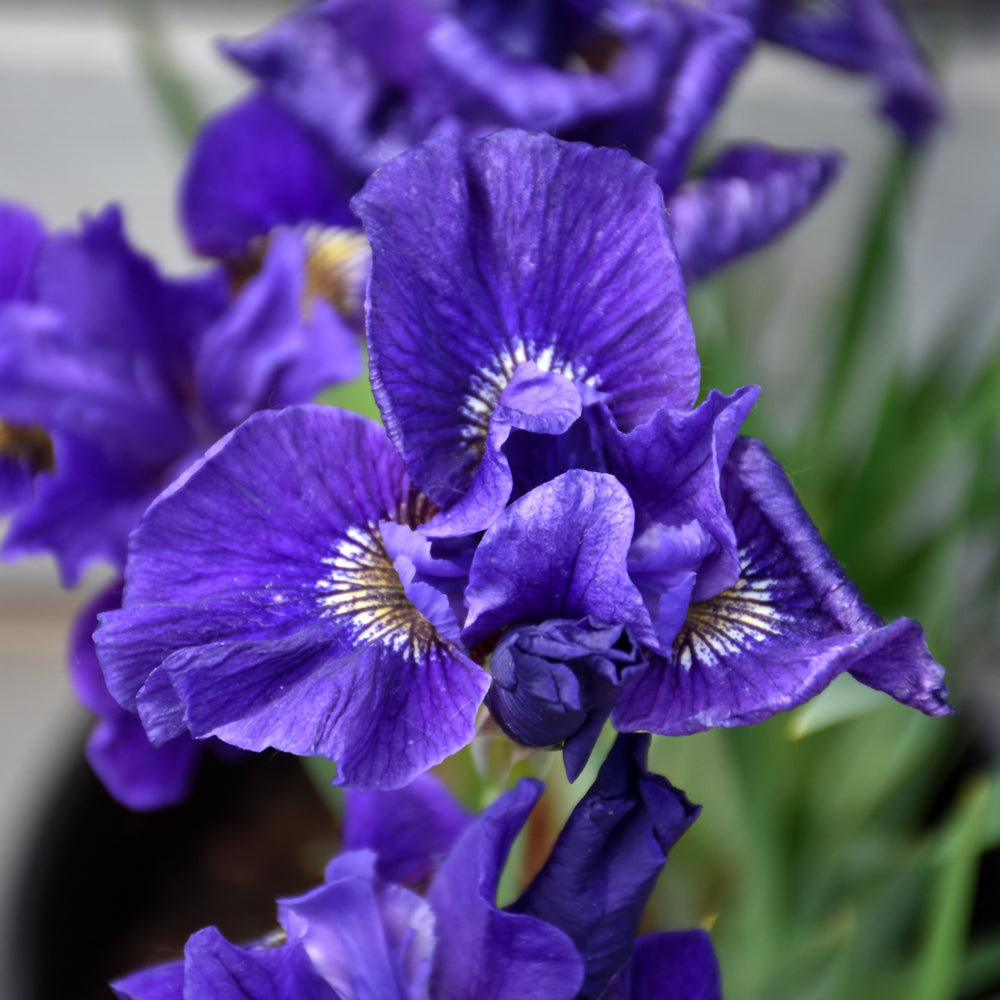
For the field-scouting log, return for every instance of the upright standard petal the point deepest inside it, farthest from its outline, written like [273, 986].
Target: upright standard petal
[671, 467]
[260, 597]
[558, 552]
[516, 248]
[789, 625]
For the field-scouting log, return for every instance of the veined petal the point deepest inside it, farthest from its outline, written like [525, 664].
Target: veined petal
[558, 552]
[266, 596]
[517, 248]
[366, 939]
[215, 968]
[790, 624]
[749, 196]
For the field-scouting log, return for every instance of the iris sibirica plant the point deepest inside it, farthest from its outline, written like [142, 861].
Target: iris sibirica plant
[552, 539]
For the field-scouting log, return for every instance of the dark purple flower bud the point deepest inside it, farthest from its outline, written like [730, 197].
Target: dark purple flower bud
[607, 859]
[556, 683]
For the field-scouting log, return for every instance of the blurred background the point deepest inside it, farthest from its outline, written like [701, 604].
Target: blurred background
[872, 329]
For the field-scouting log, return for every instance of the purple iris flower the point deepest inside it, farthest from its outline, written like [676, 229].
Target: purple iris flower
[344, 86]
[284, 621]
[859, 36]
[552, 499]
[606, 499]
[362, 935]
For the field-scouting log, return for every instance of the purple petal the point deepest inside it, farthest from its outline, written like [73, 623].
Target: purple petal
[860, 36]
[484, 84]
[364, 938]
[519, 248]
[260, 586]
[681, 965]
[264, 351]
[662, 563]
[749, 196]
[135, 773]
[82, 513]
[309, 55]
[534, 403]
[607, 859]
[484, 953]
[558, 552]
[706, 49]
[216, 969]
[162, 982]
[21, 236]
[410, 829]
[790, 624]
[105, 354]
[253, 168]
[671, 467]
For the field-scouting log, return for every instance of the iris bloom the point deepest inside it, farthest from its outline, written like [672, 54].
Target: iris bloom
[345, 86]
[543, 491]
[371, 931]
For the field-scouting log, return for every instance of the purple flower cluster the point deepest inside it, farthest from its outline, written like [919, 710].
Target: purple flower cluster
[547, 520]
[113, 379]
[548, 525]
[409, 910]
[345, 85]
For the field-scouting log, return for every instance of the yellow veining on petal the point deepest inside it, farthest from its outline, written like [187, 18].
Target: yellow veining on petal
[363, 589]
[337, 269]
[730, 622]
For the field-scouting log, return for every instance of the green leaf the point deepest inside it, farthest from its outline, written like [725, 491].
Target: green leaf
[938, 972]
